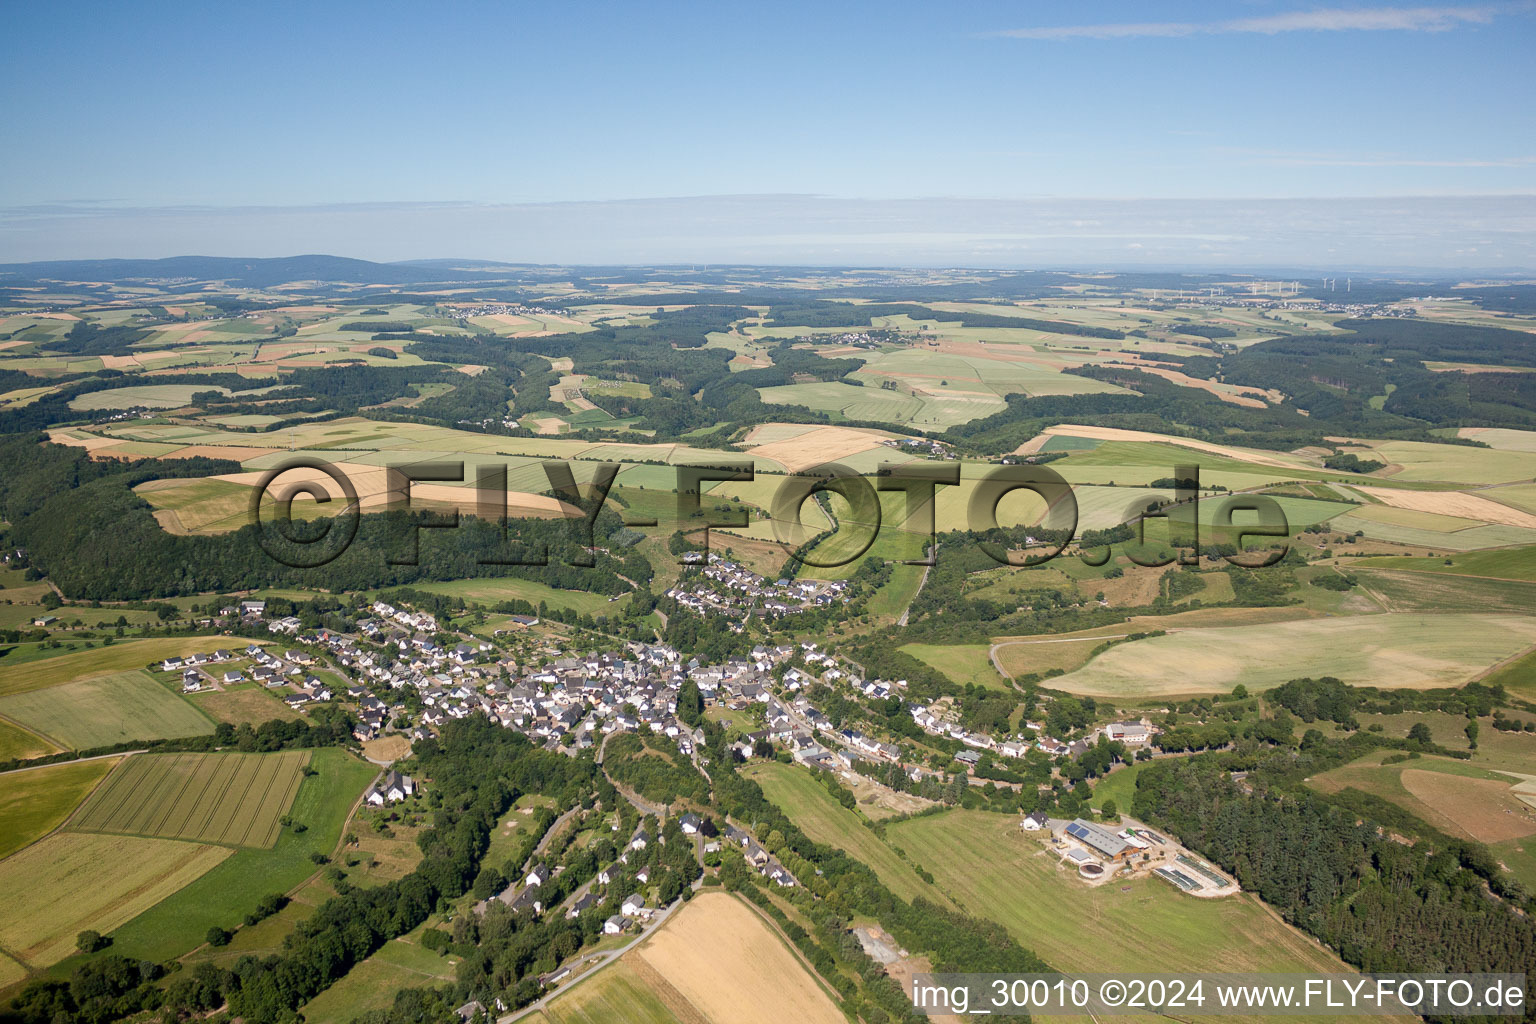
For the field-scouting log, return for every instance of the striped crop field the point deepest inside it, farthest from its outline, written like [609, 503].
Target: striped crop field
[226, 798]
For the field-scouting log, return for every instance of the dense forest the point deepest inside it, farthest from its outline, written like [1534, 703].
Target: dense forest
[1329, 867]
[83, 525]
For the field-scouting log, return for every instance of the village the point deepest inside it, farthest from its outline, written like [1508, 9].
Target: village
[728, 588]
[403, 678]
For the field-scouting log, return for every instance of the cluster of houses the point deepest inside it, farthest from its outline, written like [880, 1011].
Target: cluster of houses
[730, 588]
[197, 669]
[506, 309]
[1130, 733]
[923, 446]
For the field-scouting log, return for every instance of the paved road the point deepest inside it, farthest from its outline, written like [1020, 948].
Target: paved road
[76, 760]
[992, 653]
[601, 960]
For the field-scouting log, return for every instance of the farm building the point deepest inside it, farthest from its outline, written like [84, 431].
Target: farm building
[1100, 840]
[392, 789]
[1034, 821]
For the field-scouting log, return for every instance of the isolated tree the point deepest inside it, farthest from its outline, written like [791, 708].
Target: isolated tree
[1420, 733]
[89, 941]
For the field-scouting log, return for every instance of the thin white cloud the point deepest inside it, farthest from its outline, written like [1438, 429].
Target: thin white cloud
[1285, 159]
[1368, 19]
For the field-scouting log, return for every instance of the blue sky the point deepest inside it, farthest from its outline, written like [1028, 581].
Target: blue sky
[152, 106]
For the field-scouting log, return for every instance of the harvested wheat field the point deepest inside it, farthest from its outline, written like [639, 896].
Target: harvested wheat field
[729, 964]
[69, 882]
[1452, 503]
[819, 445]
[1117, 434]
[1485, 809]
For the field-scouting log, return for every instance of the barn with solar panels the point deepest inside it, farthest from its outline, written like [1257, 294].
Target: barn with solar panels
[1100, 840]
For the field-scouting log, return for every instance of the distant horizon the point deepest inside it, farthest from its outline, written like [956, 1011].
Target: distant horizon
[1484, 234]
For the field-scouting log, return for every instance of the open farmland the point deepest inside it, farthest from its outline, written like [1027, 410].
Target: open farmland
[1396, 651]
[493, 590]
[933, 372]
[937, 409]
[35, 802]
[617, 994]
[177, 923]
[119, 657]
[731, 966]
[1423, 462]
[1500, 564]
[825, 820]
[154, 396]
[71, 881]
[994, 870]
[228, 798]
[1456, 797]
[104, 710]
[21, 744]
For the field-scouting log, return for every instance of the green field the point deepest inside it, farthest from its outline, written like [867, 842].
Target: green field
[34, 802]
[1441, 594]
[615, 995]
[993, 869]
[69, 882]
[372, 984]
[18, 744]
[1119, 786]
[37, 668]
[973, 373]
[1394, 651]
[825, 820]
[227, 893]
[1397, 532]
[1518, 677]
[850, 402]
[963, 663]
[1502, 563]
[154, 396]
[227, 798]
[1423, 462]
[489, 591]
[104, 710]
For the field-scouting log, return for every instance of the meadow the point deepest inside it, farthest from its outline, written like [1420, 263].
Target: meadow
[1394, 650]
[44, 668]
[372, 984]
[35, 802]
[228, 798]
[103, 710]
[825, 820]
[254, 704]
[1501, 563]
[492, 590]
[963, 663]
[993, 869]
